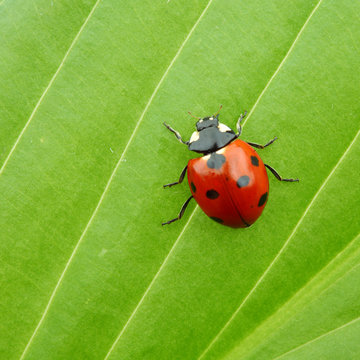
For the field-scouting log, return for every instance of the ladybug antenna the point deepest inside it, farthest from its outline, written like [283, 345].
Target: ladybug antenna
[194, 116]
[218, 111]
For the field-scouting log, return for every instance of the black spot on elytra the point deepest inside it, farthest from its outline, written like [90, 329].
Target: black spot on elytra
[212, 194]
[193, 187]
[254, 160]
[220, 221]
[262, 200]
[243, 181]
[215, 161]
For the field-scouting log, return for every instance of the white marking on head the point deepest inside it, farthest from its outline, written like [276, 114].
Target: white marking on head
[211, 118]
[195, 136]
[221, 151]
[206, 157]
[201, 120]
[223, 128]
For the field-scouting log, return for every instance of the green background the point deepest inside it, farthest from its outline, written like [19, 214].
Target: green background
[86, 269]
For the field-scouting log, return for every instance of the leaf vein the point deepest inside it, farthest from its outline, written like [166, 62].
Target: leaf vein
[111, 176]
[14, 147]
[303, 288]
[48, 87]
[150, 286]
[319, 337]
[283, 60]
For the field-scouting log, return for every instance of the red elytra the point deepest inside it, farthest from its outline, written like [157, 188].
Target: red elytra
[230, 181]
[235, 193]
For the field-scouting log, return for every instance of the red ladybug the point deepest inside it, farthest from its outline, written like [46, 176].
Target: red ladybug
[229, 182]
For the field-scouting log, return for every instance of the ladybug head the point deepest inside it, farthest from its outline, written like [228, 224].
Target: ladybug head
[206, 122]
[211, 135]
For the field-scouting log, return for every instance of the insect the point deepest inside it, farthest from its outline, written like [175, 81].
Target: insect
[229, 182]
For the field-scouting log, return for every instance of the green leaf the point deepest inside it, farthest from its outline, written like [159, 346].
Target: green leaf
[87, 270]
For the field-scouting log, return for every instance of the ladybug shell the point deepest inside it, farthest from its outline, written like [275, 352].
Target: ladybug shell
[230, 185]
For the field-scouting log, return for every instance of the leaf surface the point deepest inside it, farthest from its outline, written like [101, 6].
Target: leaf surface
[87, 271]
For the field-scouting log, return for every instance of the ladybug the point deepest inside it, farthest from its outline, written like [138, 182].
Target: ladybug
[229, 182]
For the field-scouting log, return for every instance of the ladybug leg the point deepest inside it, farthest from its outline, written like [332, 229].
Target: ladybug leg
[183, 208]
[181, 178]
[177, 134]
[258, 146]
[277, 175]
[238, 124]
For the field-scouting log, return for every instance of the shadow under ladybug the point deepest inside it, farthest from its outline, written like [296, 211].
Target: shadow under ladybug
[230, 181]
